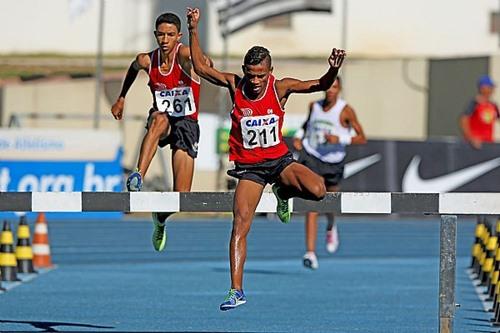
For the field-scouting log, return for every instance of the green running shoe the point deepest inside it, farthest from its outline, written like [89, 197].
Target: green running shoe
[282, 209]
[159, 233]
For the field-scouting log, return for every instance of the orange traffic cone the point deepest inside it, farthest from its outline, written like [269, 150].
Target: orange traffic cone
[24, 253]
[8, 262]
[41, 248]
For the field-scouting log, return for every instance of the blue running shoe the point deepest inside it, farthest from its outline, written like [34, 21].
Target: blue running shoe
[233, 299]
[134, 181]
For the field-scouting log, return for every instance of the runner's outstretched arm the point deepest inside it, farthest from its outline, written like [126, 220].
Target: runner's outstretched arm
[140, 62]
[201, 68]
[287, 86]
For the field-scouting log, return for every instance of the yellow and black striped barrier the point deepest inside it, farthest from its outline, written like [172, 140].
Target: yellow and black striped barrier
[495, 280]
[491, 244]
[8, 262]
[494, 273]
[485, 264]
[24, 252]
[477, 247]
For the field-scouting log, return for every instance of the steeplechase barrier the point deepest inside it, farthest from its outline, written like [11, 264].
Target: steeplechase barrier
[448, 205]
[485, 266]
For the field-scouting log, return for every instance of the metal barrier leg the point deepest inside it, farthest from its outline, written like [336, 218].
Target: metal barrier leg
[447, 268]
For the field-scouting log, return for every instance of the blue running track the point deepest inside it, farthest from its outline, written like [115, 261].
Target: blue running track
[384, 278]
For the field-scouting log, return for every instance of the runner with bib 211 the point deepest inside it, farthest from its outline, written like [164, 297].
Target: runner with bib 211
[256, 144]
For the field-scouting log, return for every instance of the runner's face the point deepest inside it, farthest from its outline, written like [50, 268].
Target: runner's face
[486, 91]
[333, 92]
[167, 37]
[257, 76]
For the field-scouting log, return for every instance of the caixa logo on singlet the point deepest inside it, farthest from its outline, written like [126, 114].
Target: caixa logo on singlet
[257, 122]
[179, 92]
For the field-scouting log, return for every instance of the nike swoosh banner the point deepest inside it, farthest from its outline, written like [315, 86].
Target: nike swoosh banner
[413, 182]
[235, 15]
[436, 166]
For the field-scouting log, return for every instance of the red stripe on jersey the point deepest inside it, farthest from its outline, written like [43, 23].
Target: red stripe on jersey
[172, 88]
[255, 134]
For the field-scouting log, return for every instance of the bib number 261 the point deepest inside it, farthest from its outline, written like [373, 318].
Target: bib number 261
[177, 103]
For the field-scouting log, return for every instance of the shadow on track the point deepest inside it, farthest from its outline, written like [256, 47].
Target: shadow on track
[48, 326]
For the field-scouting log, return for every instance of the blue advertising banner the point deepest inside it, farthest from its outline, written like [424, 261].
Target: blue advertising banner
[61, 160]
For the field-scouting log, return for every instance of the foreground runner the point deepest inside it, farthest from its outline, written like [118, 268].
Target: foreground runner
[173, 119]
[256, 144]
[322, 142]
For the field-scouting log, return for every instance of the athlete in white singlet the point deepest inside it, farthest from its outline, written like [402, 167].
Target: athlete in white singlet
[331, 126]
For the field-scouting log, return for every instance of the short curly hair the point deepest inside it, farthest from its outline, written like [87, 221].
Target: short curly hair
[170, 18]
[256, 55]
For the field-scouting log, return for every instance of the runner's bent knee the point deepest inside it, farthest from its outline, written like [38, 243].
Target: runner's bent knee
[318, 189]
[159, 124]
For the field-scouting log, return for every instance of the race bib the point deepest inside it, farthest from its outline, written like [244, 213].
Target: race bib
[317, 134]
[177, 102]
[260, 131]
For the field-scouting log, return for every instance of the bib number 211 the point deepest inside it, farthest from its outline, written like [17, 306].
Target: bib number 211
[260, 131]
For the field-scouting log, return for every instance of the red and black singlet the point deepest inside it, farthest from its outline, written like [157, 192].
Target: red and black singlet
[256, 125]
[174, 92]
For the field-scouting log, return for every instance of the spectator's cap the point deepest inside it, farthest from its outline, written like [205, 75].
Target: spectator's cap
[485, 80]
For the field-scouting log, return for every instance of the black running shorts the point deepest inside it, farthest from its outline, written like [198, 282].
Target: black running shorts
[184, 134]
[331, 172]
[267, 172]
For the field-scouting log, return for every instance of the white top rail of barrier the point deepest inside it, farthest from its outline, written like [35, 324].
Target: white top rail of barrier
[338, 203]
